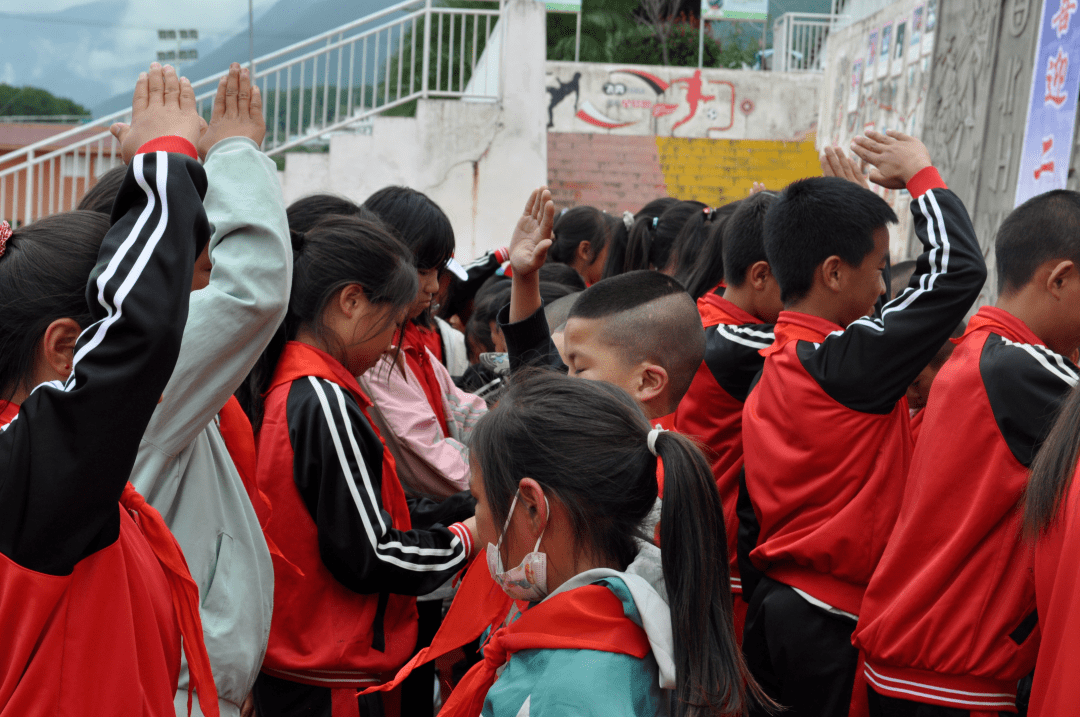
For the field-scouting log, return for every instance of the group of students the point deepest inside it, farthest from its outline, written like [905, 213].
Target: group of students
[250, 455]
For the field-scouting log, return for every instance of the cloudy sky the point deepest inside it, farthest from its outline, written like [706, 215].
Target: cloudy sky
[86, 49]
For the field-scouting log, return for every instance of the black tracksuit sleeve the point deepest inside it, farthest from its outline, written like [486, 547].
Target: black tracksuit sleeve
[869, 366]
[338, 469]
[1026, 385]
[528, 342]
[66, 458]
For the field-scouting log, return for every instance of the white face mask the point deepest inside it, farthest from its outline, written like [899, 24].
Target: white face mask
[528, 581]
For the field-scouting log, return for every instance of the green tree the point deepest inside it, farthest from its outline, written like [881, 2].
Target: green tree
[19, 101]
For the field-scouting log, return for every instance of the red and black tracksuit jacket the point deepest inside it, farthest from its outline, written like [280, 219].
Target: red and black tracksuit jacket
[826, 434]
[87, 623]
[712, 409]
[345, 615]
[949, 617]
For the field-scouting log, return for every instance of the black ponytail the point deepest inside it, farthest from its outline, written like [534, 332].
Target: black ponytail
[1053, 469]
[652, 238]
[44, 269]
[698, 256]
[711, 676]
[586, 444]
[337, 252]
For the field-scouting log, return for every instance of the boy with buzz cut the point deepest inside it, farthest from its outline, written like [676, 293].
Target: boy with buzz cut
[825, 431]
[963, 629]
[738, 325]
[639, 331]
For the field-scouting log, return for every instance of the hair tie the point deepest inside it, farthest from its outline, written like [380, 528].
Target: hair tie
[652, 439]
[627, 220]
[5, 234]
[655, 221]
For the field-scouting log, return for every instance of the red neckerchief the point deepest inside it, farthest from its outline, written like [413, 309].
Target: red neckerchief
[1001, 322]
[586, 618]
[185, 597]
[478, 605]
[715, 309]
[182, 587]
[414, 346]
[797, 326]
[8, 411]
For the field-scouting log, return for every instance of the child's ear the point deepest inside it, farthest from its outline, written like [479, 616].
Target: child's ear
[58, 346]
[531, 498]
[351, 299]
[759, 275]
[832, 273]
[1062, 274]
[652, 382]
[584, 252]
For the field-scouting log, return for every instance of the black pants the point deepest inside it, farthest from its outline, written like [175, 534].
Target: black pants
[882, 706]
[418, 689]
[799, 653]
[275, 697]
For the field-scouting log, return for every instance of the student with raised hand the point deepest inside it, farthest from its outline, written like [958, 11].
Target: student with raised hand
[95, 595]
[826, 436]
[639, 330]
[344, 610]
[1051, 508]
[564, 473]
[738, 327]
[184, 468]
[957, 548]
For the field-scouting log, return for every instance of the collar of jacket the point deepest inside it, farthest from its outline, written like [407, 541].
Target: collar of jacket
[797, 326]
[299, 360]
[727, 312]
[1001, 322]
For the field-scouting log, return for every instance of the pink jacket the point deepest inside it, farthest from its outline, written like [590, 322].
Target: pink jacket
[429, 463]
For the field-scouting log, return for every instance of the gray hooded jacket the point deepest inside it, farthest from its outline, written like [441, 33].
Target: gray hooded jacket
[183, 467]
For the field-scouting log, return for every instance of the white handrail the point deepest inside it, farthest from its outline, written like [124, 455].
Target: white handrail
[310, 88]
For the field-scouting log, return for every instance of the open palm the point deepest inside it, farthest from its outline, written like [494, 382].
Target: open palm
[532, 236]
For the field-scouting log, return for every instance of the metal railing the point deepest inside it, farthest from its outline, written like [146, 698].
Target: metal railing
[799, 41]
[412, 50]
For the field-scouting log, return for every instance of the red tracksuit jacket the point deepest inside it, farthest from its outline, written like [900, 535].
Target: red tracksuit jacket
[341, 517]
[1057, 594]
[711, 410]
[949, 616]
[825, 431]
[87, 623]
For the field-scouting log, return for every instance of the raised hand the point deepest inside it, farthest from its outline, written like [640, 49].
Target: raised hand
[834, 163]
[894, 156]
[237, 112]
[163, 105]
[532, 235]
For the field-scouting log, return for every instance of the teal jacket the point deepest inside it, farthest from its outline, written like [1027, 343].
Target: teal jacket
[589, 683]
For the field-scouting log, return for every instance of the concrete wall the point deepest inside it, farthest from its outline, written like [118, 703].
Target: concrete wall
[861, 93]
[621, 135]
[477, 160]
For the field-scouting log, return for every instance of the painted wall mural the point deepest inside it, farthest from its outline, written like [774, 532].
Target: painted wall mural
[681, 102]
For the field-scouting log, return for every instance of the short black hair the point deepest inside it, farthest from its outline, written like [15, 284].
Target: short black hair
[1042, 228]
[419, 222]
[649, 317]
[100, 197]
[744, 237]
[306, 212]
[556, 273]
[814, 219]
